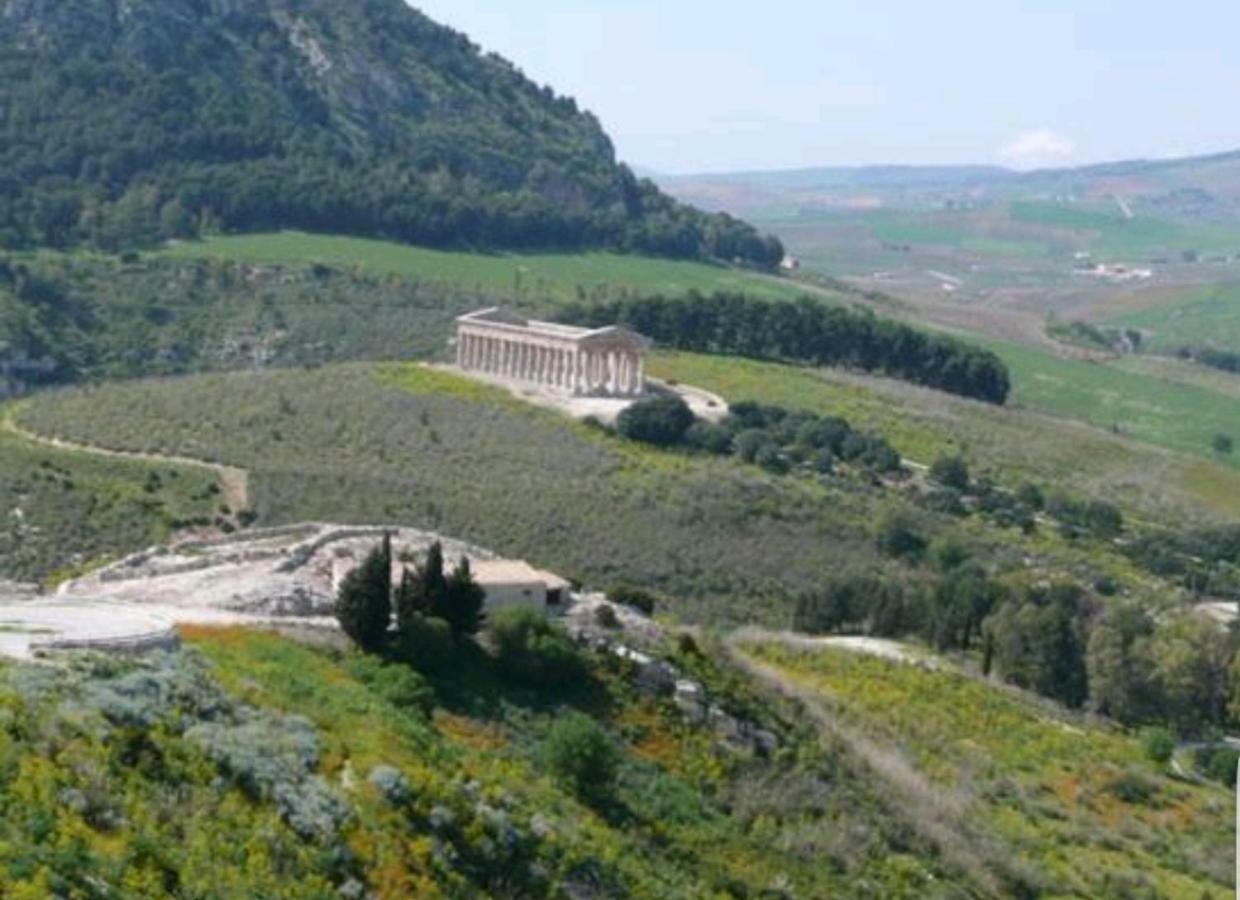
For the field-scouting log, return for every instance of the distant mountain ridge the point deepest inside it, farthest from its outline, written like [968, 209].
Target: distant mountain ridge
[1200, 186]
[129, 121]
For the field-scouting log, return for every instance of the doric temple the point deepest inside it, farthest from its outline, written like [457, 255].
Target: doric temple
[593, 362]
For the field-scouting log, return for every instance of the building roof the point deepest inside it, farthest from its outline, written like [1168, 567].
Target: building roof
[514, 571]
[506, 320]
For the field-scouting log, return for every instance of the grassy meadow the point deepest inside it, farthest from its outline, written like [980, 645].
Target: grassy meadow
[524, 279]
[1013, 444]
[1177, 414]
[1197, 317]
[64, 510]
[1069, 804]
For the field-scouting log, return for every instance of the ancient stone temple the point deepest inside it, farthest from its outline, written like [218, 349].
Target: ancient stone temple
[590, 362]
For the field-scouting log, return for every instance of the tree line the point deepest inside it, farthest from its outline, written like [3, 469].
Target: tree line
[805, 331]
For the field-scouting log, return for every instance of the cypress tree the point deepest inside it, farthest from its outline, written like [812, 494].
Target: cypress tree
[464, 600]
[434, 583]
[364, 601]
[410, 600]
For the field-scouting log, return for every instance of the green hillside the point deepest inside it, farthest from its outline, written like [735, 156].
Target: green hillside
[250, 766]
[292, 298]
[525, 279]
[130, 122]
[1015, 787]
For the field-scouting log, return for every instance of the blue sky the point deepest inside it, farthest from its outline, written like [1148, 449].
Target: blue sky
[693, 85]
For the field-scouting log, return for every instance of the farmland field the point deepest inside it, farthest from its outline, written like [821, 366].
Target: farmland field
[1019, 784]
[532, 278]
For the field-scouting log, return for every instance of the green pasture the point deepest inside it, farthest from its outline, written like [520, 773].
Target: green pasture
[518, 277]
[1200, 317]
[1177, 415]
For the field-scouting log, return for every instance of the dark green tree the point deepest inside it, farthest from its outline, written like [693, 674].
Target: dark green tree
[364, 601]
[951, 471]
[464, 599]
[662, 421]
[410, 600]
[583, 757]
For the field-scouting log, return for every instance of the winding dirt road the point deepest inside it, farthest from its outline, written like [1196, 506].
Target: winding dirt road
[234, 482]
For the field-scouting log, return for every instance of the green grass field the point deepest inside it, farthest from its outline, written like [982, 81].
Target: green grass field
[1068, 803]
[1178, 415]
[63, 510]
[1014, 444]
[1201, 317]
[529, 278]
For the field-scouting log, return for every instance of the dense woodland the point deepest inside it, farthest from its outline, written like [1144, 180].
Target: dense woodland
[125, 124]
[806, 331]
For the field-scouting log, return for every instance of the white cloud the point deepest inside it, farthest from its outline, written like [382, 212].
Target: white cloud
[1037, 149]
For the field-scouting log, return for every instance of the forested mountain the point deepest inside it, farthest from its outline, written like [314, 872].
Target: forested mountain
[126, 121]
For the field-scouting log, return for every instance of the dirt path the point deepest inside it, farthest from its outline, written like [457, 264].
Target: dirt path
[234, 482]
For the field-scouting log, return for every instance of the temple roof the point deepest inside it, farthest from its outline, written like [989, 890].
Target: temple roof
[506, 320]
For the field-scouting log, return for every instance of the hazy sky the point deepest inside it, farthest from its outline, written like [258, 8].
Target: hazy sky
[695, 85]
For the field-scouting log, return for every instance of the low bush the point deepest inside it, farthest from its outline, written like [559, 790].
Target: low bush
[531, 648]
[662, 421]
[637, 598]
[583, 757]
[425, 643]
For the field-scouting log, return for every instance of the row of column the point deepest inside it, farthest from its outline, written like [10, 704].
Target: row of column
[579, 370]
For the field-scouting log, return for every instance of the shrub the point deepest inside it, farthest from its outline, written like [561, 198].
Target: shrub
[709, 438]
[582, 757]
[951, 471]
[637, 598]
[1217, 764]
[751, 442]
[605, 616]
[533, 649]
[662, 421]
[425, 643]
[897, 536]
[1030, 495]
[770, 458]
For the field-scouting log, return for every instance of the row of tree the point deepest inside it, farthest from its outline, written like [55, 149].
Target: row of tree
[366, 600]
[806, 331]
[769, 436]
[1056, 640]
